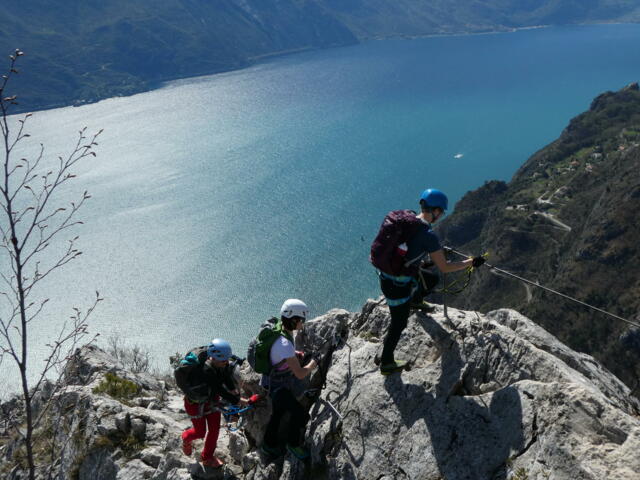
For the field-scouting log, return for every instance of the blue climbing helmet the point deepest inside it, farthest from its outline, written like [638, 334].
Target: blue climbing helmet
[219, 350]
[434, 198]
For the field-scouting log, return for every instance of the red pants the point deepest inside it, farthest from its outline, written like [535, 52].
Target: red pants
[205, 421]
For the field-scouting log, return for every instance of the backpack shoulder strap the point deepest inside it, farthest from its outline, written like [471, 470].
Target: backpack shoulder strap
[281, 332]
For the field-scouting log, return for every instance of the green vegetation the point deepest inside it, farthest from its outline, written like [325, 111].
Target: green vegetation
[129, 445]
[42, 444]
[590, 178]
[520, 474]
[119, 388]
[631, 134]
[369, 337]
[80, 52]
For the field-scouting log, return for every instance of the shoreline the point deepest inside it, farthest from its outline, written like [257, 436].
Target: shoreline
[463, 33]
[257, 59]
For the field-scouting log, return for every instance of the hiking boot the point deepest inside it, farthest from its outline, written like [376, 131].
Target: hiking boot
[187, 448]
[393, 367]
[423, 306]
[213, 462]
[271, 451]
[299, 452]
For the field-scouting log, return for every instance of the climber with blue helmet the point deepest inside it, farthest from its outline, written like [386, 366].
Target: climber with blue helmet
[205, 375]
[219, 350]
[404, 249]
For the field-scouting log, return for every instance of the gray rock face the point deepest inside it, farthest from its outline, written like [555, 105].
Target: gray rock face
[97, 464]
[135, 469]
[481, 401]
[488, 397]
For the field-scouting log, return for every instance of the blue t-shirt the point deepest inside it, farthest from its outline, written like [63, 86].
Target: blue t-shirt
[424, 242]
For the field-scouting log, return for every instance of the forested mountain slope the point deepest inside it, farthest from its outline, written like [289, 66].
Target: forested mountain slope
[83, 50]
[569, 220]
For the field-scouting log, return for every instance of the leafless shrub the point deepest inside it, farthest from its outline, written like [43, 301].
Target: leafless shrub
[133, 358]
[32, 224]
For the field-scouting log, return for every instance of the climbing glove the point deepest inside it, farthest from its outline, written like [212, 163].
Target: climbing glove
[477, 261]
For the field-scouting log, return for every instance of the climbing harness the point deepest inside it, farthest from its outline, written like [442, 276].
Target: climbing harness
[233, 412]
[401, 281]
[536, 284]
[204, 409]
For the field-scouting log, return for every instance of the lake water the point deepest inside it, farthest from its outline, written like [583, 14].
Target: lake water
[216, 198]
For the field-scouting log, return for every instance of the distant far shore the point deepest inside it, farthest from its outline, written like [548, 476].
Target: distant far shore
[255, 60]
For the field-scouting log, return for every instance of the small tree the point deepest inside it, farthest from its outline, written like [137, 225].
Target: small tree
[31, 225]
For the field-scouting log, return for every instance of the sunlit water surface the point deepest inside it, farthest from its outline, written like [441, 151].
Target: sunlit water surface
[215, 198]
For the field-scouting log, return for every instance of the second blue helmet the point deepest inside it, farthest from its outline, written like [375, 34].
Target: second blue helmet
[219, 350]
[434, 198]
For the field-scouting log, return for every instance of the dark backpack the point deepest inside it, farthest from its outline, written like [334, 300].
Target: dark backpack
[387, 254]
[258, 354]
[188, 377]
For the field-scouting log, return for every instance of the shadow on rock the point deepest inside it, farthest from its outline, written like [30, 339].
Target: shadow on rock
[461, 435]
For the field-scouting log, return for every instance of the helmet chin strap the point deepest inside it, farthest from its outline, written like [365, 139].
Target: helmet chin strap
[432, 211]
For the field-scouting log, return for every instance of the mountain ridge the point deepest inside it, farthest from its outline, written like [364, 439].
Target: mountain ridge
[81, 52]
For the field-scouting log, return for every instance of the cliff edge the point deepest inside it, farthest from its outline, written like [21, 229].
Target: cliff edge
[488, 396]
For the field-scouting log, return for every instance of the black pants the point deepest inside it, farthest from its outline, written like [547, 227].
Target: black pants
[416, 290]
[283, 402]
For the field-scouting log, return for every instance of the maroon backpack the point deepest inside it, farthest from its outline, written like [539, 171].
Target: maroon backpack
[388, 249]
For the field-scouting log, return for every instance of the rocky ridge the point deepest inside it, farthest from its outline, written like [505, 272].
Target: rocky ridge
[487, 397]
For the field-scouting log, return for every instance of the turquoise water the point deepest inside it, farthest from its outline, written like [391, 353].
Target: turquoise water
[216, 198]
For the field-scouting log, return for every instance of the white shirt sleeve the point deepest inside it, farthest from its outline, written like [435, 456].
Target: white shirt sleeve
[281, 349]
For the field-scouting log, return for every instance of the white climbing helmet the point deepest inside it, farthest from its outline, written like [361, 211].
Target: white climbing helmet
[294, 308]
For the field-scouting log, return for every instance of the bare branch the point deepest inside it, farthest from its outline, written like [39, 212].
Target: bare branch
[64, 224]
[9, 283]
[68, 256]
[67, 338]
[33, 222]
[81, 151]
[9, 347]
[37, 312]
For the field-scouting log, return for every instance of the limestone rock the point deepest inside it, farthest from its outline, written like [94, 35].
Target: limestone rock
[178, 474]
[135, 470]
[594, 372]
[90, 362]
[97, 464]
[151, 456]
[138, 428]
[144, 402]
[169, 462]
[268, 471]
[249, 461]
[123, 422]
[200, 472]
[481, 401]
[238, 447]
[488, 397]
